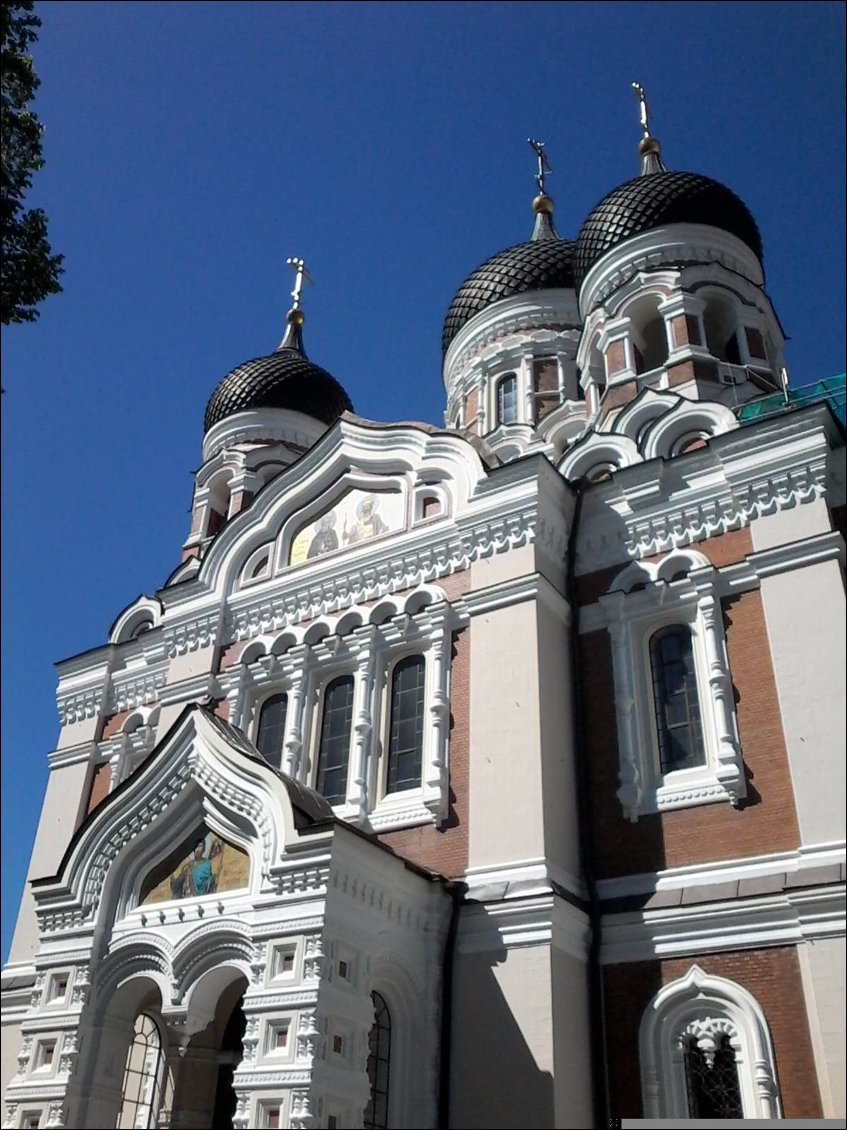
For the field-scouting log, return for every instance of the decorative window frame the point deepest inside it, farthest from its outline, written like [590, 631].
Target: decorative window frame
[705, 1007]
[632, 617]
[513, 375]
[369, 652]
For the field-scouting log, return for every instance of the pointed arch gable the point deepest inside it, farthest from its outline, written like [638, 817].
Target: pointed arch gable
[696, 1003]
[689, 417]
[633, 420]
[202, 768]
[596, 449]
[353, 453]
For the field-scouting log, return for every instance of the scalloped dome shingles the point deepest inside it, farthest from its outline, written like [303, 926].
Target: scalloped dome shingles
[535, 265]
[657, 199]
[284, 379]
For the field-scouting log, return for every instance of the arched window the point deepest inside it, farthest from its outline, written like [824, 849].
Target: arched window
[334, 749]
[706, 1052]
[143, 1075]
[406, 728]
[678, 723]
[379, 1062]
[271, 729]
[507, 399]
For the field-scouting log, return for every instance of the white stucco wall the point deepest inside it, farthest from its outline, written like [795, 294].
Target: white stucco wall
[502, 1070]
[58, 821]
[505, 822]
[561, 821]
[572, 1045]
[10, 1045]
[804, 613]
[822, 964]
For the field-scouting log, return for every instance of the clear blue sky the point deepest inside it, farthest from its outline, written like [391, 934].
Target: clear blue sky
[191, 147]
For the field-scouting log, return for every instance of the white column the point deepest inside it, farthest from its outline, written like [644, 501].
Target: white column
[357, 776]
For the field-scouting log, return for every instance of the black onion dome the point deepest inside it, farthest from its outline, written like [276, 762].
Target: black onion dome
[284, 379]
[538, 264]
[654, 201]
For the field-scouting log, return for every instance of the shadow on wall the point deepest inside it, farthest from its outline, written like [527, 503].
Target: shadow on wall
[496, 1080]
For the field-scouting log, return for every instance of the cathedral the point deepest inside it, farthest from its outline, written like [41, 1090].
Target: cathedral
[482, 775]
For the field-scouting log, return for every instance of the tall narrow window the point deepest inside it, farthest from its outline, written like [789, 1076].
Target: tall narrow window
[142, 1082]
[334, 750]
[507, 399]
[405, 737]
[271, 730]
[711, 1080]
[379, 1061]
[675, 693]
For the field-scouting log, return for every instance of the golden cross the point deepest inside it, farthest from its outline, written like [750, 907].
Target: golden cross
[543, 164]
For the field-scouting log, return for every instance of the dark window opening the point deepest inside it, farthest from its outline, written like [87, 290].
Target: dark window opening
[711, 1081]
[405, 737]
[507, 399]
[271, 730]
[379, 1057]
[654, 354]
[231, 1054]
[675, 696]
[334, 750]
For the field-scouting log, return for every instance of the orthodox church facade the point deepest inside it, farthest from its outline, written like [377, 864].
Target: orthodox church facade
[480, 775]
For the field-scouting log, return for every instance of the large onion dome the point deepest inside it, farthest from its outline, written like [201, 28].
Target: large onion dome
[541, 263]
[285, 378]
[656, 200]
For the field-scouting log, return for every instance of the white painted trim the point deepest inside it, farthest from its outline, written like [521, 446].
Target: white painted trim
[788, 918]
[537, 921]
[633, 618]
[722, 871]
[704, 1007]
[667, 246]
[519, 879]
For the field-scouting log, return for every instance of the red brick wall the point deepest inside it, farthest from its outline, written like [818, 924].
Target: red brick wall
[112, 724]
[615, 358]
[100, 781]
[679, 374]
[772, 976]
[445, 849]
[545, 375]
[725, 549]
[471, 402]
[619, 395]
[767, 820]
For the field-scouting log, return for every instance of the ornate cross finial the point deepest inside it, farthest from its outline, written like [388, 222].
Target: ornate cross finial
[543, 164]
[644, 110]
[301, 275]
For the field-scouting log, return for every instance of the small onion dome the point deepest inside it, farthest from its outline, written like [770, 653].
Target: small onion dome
[285, 378]
[654, 201]
[542, 263]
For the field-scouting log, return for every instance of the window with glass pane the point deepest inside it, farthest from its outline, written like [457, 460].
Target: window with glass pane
[711, 1081]
[271, 731]
[675, 695]
[507, 399]
[334, 749]
[379, 1056]
[405, 736]
[142, 1076]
